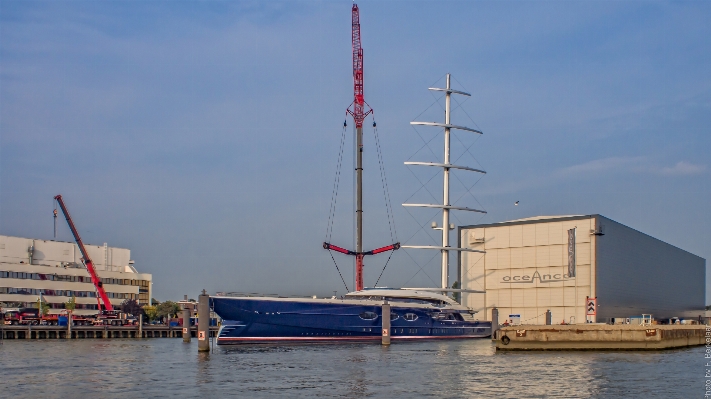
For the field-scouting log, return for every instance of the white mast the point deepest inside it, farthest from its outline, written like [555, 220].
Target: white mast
[445, 195]
[446, 165]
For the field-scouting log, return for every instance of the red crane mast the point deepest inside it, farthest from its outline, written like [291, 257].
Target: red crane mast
[88, 263]
[358, 111]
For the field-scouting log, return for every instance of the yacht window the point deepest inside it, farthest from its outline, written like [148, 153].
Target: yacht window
[394, 316]
[368, 316]
[410, 317]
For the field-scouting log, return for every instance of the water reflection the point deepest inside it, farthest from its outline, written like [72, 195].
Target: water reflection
[463, 369]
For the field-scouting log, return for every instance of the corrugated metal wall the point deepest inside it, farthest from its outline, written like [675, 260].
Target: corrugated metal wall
[641, 274]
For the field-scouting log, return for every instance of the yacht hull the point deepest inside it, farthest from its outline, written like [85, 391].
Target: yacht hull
[255, 320]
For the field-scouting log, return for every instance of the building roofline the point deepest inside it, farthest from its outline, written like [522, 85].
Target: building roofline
[545, 219]
[63, 242]
[531, 221]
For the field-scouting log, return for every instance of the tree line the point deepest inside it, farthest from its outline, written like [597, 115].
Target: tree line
[155, 311]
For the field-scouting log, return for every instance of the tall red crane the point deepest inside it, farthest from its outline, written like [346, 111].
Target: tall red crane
[358, 111]
[103, 297]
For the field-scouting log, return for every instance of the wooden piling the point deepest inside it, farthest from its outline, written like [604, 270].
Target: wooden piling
[494, 322]
[385, 315]
[186, 325]
[203, 322]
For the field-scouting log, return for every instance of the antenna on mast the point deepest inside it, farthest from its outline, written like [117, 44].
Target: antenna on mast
[55, 219]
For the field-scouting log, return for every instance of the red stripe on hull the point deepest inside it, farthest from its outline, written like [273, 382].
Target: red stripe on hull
[302, 339]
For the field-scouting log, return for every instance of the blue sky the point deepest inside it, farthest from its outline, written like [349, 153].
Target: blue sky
[204, 135]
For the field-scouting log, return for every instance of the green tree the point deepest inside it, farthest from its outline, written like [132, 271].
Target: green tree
[151, 312]
[167, 309]
[44, 308]
[132, 307]
[456, 295]
[71, 303]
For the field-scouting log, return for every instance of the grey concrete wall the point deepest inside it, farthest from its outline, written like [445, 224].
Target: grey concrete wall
[639, 274]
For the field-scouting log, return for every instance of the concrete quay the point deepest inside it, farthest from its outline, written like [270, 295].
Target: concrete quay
[600, 337]
[96, 332]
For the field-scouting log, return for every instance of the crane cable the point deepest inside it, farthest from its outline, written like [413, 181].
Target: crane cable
[334, 200]
[382, 271]
[339, 271]
[336, 182]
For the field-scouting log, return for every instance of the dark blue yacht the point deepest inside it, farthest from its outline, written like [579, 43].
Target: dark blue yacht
[356, 317]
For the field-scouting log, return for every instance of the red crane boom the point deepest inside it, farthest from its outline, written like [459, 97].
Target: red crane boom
[358, 111]
[87, 260]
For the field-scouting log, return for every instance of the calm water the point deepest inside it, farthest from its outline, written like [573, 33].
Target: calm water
[462, 369]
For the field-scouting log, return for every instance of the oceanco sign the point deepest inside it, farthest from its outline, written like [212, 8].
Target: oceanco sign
[542, 278]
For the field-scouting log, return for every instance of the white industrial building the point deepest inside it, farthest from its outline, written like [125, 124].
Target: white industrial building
[30, 267]
[533, 265]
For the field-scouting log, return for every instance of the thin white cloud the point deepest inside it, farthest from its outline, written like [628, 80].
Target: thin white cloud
[599, 165]
[595, 168]
[683, 168]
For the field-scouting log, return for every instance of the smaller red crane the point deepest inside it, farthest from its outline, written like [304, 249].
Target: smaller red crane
[106, 308]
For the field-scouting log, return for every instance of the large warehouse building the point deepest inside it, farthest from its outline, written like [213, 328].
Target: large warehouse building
[30, 267]
[556, 263]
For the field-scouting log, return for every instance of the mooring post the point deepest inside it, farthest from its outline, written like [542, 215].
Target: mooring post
[386, 323]
[549, 317]
[69, 325]
[494, 322]
[203, 322]
[186, 325]
[140, 325]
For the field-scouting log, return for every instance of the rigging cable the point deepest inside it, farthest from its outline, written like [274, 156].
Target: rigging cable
[334, 200]
[382, 271]
[339, 271]
[386, 196]
[336, 182]
[459, 105]
[384, 182]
